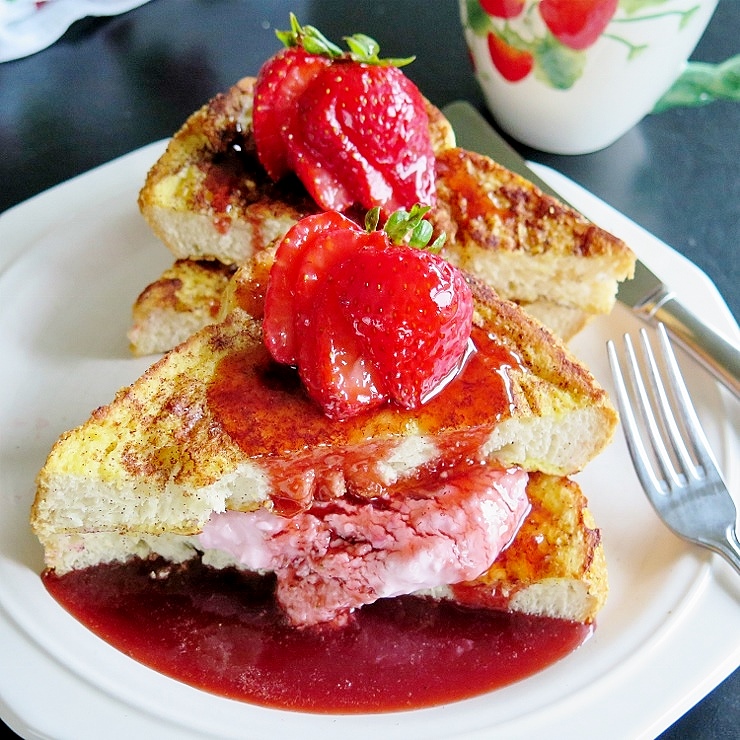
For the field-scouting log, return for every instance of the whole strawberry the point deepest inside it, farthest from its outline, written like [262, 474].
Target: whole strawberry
[367, 316]
[352, 126]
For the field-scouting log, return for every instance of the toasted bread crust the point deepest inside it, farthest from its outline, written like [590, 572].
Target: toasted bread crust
[522, 241]
[207, 197]
[185, 298]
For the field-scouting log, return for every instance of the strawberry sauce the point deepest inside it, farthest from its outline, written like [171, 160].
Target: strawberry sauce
[221, 631]
[285, 425]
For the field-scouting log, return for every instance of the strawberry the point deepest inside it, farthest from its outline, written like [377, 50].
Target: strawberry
[513, 64]
[332, 364]
[301, 258]
[577, 23]
[377, 153]
[365, 315]
[503, 8]
[280, 83]
[352, 126]
[412, 311]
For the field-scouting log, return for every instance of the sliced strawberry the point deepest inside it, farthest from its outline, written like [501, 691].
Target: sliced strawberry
[351, 125]
[363, 138]
[413, 312]
[330, 248]
[287, 278]
[332, 364]
[366, 320]
[577, 23]
[281, 81]
[513, 64]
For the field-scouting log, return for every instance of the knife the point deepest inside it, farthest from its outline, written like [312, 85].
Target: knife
[647, 296]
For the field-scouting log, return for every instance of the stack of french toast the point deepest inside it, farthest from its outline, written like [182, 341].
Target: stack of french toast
[218, 449]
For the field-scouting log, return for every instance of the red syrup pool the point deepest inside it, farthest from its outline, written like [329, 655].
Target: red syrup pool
[222, 632]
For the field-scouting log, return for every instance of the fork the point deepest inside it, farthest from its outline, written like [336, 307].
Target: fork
[672, 458]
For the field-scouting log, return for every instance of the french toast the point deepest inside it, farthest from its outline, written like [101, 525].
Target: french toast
[555, 566]
[207, 197]
[529, 246]
[215, 426]
[185, 298]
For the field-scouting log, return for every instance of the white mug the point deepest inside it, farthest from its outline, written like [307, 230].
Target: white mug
[572, 76]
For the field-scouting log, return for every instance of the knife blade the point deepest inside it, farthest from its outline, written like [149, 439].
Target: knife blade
[648, 297]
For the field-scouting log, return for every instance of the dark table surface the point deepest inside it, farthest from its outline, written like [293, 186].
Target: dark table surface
[112, 85]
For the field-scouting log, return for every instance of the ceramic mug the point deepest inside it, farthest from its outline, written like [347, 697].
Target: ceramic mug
[572, 76]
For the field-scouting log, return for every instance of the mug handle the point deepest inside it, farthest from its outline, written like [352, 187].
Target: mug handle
[701, 83]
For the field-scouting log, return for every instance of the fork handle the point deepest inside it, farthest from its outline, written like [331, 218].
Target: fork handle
[715, 352]
[729, 549]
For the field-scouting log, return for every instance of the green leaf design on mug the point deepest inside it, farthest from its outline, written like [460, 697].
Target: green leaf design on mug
[635, 6]
[702, 83]
[558, 65]
[478, 19]
[632, 7]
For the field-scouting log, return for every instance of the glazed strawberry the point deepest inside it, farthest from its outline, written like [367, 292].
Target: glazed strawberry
[352, 126]
[280, 83]
[302, 257]
[364, 138]
[413, 313]
[577, 23]
[303, 323]
[366, 315]
[333, 365]
[513, 64]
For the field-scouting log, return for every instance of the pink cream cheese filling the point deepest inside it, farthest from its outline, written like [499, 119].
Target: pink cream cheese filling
[342, 554]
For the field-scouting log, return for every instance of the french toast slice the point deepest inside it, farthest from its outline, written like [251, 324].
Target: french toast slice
[185, 298]
[207, 197]
[216, 425]
[527, 245]
[554, 567]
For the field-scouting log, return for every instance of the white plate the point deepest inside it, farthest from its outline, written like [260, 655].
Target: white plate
[72, 261]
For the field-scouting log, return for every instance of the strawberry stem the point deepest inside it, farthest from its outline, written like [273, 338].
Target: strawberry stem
[408, 227]
[362, 48]
[372, 219]
[310, 38]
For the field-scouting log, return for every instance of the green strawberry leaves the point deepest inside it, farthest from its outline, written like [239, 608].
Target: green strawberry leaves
[407, 227]
[362, 48]
[310, 38]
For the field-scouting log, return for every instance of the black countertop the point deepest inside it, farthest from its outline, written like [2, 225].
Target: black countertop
[111, 85]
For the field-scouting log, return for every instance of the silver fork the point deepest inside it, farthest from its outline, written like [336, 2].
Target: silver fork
[670, 452]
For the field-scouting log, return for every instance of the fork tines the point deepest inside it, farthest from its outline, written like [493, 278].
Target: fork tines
[669, 450]
[666, 415]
